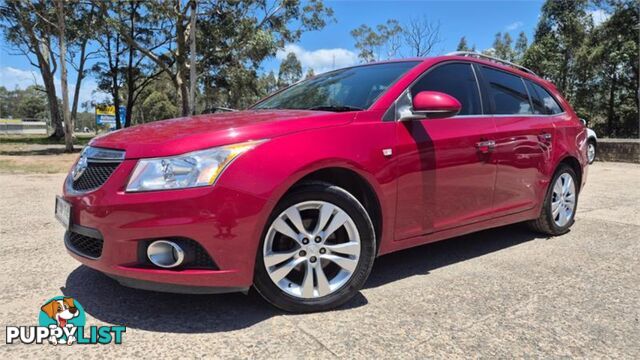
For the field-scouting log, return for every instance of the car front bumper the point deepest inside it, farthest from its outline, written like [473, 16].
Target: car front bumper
[225, 222]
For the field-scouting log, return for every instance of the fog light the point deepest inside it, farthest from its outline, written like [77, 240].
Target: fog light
[165, 254]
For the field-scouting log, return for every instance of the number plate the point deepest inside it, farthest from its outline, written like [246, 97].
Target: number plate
[63, 212]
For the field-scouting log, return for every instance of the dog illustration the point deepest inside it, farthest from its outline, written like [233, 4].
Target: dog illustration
[61, 311]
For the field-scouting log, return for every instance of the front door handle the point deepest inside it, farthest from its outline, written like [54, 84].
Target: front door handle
[486, 146]
[545, 137]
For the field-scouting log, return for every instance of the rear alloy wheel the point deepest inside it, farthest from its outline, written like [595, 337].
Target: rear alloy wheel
[317, 251]
[591, 151]
[560, 204]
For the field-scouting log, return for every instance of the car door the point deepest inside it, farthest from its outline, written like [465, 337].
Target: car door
[445, 178]
[523, 136]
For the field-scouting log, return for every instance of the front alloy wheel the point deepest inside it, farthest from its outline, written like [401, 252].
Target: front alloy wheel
[317, 251]
[324, 252]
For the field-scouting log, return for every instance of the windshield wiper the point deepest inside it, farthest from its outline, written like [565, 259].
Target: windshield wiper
[337, 108]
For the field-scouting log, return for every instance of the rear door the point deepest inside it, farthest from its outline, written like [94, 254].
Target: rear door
[524, 138]
[444, 179]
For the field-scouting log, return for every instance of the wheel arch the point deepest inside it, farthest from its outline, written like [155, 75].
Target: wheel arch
[355, 184]
[574, 164]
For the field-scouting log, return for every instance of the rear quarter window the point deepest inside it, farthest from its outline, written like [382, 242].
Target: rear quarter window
[547, 103]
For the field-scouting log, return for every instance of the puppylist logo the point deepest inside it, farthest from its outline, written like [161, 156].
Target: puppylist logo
[62, 321]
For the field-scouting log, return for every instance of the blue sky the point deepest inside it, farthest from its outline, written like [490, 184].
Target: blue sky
[477, 20]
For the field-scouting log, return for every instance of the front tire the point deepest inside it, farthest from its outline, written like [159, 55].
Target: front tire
[560, 204]
[317, 249]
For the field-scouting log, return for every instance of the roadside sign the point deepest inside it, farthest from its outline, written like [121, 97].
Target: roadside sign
[106, 116]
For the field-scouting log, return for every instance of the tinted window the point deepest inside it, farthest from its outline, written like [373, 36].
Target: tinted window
[548, 104]
[536, 100]
[456, 80]
[356, 87]
[507, 92]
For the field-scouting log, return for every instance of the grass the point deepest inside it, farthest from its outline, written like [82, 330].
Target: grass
[37, 167]
[37, 154]
[81, 139]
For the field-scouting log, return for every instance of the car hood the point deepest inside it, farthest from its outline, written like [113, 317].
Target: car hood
[182, 135]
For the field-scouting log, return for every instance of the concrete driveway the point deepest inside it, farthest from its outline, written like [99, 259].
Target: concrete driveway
[502, 293]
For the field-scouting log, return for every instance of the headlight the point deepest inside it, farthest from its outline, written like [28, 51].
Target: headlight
[199, 168]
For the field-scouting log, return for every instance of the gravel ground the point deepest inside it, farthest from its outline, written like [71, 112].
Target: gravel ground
[498, 293]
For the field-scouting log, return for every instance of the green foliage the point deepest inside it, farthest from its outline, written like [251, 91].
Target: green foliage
[30, 103]
[290, 71]
[595, 66]
[462, 45]
[371, 43]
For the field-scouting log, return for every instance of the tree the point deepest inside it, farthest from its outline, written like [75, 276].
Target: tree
[367, 42]
[391, 33]
[236, 39]
[502, 46]
[594, 65]
[421, 36]
[82, 21]
[521, 47]
[124, 72]
[66, 115]
[310, 74]
[28, 26]
[290, 71]
[462, 45]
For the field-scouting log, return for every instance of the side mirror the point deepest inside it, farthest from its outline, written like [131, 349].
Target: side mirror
[434, 105]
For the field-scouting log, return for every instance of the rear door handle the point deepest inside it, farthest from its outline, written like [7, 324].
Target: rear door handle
[486, 146]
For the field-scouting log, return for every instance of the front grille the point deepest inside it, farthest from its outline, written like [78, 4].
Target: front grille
[84, 245]
[94, 176]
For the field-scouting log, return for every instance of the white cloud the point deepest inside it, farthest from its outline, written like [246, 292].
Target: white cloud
[599, 16]
[514, 26]
[321, 60]
[13, 78]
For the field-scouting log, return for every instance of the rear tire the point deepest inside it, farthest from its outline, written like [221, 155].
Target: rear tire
[555, 219]
[325, 265]
[591, 151]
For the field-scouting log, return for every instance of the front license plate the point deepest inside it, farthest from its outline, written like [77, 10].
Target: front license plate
[63, 212]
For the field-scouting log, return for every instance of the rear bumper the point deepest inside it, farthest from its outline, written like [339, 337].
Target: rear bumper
[227, 223]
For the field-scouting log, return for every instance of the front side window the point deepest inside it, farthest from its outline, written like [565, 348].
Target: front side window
[355, 88]
[507, 92]
[457, 80]
[549, 105]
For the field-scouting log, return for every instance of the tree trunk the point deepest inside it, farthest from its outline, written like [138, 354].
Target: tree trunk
[115, 69]
[76, 92]
[52, 99]
[68, 124]
[181, 61]
[47, 78]
[192, 60]
[131, 86]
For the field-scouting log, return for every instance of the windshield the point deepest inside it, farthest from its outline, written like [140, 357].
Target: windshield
[342, 90]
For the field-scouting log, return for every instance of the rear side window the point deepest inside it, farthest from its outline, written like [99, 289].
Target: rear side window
[546, 103]
[507, 92]
[455, 79]
[536, 100]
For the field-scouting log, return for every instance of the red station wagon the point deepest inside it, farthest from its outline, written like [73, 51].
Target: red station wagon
[298, 195]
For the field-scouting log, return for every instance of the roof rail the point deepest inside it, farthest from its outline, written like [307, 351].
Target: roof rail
[491, 58]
